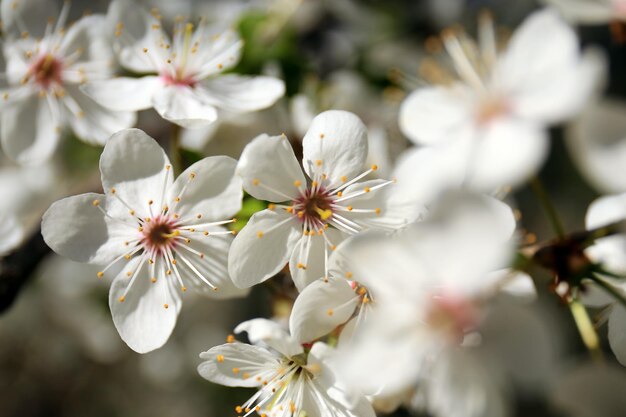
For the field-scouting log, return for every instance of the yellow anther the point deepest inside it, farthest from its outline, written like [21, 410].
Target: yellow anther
[234, 220]
[199, 216]
[367, 189]
[192, 175]
[301, 266]
[300, 214]
[320, 232]
[129, 273]
[344, 178]
[339, 193]
[230, 338]
[156, 27]
[100, 274]
[330, 312]
[297, 183]
[246, 375]
[127, 257]
[121, 299]
[377, 211]
[205, 233]
[168, 272]
[289, 209]
[140, 229]
[235, 371]
[183, 289]
[220, 358]
[220, 66]
[95, 203]
[177, 199]
[271, 206]
[333, 247]
[314, 184]
[374, 167]
[132, 212]
[322, 136]
[145, 50]
[174, 262]
[318, 162]
[113, 190]
[166, 306]
[150, 261]
[168, 167]
[153, 280]
[348, 274]
[362, 291]
[349, 208]
[238, 409]
[256, 181]
[233, 232]
[259, 234]
[366, 299]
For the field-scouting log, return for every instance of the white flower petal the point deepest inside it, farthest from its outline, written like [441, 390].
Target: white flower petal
[141, 319]
[137, 30]
[313, 260]
[269, 169]
[321, 307]
[213, 266]
[29, 15]
[218, 51]
[253, 259]
[211, 190]
[30, 129]
[239, 93]
[423, 174]
[606, 210]
[11, 231]
[271, 334]
[249, 360]
[134, 165]
[617, 332]
[86, 40]
[184, 106]
[95, 124]
[598, 144]
[563, 97]
[124, 93]
[556, 82]
[76, 229]
[507, 153]
[335, 145]
[435, 114]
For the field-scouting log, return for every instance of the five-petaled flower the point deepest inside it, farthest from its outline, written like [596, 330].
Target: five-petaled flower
[158, 234]
[493, 118]
[185, 85]
[43, 93]
[328, 204]
[290, 379]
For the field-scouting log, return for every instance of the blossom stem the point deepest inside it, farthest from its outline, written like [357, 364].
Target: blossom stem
[585, 328]
[175, 155]
[544, 199]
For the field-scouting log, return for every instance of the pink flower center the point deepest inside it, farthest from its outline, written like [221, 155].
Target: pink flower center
[179, 80]
[314, 207]
[454, 316]
[490, 109]
[159, 234]
[46, 70]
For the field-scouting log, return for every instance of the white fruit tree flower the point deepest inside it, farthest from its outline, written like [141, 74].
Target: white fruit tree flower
[493, 117]
[158, 234]
[181, 78]
[324, 206]
[292, 379]
[42, 94]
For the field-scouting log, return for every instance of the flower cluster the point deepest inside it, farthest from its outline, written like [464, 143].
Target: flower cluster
[394, 270]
